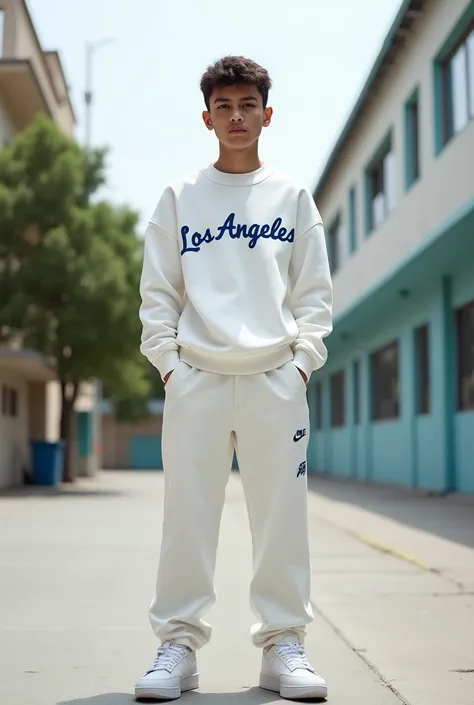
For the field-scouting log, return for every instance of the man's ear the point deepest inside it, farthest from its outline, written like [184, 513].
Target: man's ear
[206, 116]
[267, 116]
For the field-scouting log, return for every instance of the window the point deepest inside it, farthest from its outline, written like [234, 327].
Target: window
[334, 238]
[385, 383]
[338, 401]
[352, 221]
[356, 390]
[457, 86]
[412, 140]
[465, 345]
[9, 401]
[2, 24]
[319, 405]
[422, 370]
[470, 70]
[380, 186]
[457, 82]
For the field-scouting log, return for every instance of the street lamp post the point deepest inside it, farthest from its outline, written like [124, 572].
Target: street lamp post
[91, 48]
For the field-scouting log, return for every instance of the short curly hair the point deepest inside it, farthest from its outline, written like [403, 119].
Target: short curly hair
[232, 71]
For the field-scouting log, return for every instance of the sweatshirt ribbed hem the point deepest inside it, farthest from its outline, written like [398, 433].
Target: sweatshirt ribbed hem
[225, 364]
[166, 362]
[304, 362]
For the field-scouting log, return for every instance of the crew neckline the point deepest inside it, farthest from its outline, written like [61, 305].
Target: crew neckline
[250, 178]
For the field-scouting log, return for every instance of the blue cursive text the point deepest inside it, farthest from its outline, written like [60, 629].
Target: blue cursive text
[275, 231]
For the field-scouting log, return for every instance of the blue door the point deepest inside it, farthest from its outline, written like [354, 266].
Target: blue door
[145, 453]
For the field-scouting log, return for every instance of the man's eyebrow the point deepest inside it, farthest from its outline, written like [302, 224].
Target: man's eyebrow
[228, 100]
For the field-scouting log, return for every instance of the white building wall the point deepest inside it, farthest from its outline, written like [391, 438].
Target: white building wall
[86, 398]
[446, 181]
[20, 41]
[53, 411]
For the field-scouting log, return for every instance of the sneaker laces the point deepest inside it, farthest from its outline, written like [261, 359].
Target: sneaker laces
[168, 656]
[294, 656]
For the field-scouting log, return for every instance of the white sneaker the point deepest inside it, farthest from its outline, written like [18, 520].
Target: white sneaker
[286, 670]
[173, 671]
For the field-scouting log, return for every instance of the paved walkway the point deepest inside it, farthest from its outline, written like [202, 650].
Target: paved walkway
[393, 595]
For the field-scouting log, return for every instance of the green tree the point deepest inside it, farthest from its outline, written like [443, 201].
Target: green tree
[134, 407]
[69, 284]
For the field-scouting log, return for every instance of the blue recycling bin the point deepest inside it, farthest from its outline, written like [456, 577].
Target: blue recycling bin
[47, 462]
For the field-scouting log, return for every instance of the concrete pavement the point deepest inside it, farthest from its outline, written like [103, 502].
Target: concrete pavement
[393, 595]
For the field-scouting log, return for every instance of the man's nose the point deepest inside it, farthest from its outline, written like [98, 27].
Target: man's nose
[236, 117]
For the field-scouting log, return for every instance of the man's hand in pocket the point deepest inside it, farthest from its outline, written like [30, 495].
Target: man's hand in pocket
[305, 379]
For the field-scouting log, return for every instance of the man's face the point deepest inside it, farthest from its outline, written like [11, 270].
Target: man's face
[237, 115]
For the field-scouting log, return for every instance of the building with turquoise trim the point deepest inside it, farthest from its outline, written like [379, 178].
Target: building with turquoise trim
[395, 401]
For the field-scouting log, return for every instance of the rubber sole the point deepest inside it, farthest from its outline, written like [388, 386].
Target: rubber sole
[149, 693]
[293, 692]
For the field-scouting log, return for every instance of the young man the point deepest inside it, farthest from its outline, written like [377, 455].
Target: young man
[236, 300]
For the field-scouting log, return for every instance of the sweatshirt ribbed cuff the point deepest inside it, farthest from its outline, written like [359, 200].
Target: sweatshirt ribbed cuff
[167, 362]
[304, 362]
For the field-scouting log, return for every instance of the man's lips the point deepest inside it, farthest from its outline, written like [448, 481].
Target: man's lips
[237, 129]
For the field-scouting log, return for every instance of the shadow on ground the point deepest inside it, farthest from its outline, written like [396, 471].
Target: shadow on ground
[447, 516]
[35, 492]
[253, 696]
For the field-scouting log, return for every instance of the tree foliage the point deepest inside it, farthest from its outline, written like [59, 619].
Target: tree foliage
[69, 283]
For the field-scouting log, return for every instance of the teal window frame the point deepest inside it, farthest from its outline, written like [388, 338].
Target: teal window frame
[412, 142]
[442, 95]
[352, 211]
[385, 146]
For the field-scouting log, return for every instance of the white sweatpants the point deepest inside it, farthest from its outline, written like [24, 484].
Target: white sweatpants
[265, 417]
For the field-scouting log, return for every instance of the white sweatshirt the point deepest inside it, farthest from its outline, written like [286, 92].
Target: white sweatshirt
[235, 275]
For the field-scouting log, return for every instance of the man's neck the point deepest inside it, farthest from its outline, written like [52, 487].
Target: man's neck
[238, 162]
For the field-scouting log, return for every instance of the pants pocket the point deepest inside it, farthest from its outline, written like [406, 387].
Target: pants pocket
[172, 379]
[296, 372]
